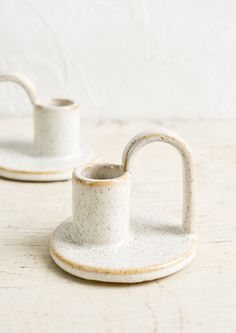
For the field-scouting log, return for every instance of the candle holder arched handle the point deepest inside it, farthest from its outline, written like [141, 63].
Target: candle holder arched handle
[162, 135]
[24, 83]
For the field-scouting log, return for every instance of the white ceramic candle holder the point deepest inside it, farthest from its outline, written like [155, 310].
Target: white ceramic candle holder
[55, 150]
[104, 241]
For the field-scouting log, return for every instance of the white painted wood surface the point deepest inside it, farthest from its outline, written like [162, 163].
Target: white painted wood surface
[36, 296]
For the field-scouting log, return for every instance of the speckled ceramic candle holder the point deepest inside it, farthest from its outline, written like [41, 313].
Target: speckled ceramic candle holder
[55, 150]
[106, 241]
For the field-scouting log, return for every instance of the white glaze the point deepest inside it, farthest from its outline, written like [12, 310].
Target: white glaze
[100, 242]
[17, 162]
[101, 208]
[163, 135]
[56, 128]
[157, 247]
[55, 150]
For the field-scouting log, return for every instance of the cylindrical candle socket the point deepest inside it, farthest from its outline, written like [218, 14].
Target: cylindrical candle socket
[101, 195]
[56, 128]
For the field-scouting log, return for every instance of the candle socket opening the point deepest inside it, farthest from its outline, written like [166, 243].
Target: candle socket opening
[60, 102]
[101, 172]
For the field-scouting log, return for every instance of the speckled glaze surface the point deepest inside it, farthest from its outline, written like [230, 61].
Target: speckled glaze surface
[106, 240]
[55, 150]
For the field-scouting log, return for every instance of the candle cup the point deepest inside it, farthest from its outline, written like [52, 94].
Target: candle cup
[56, 128]
[101, 196]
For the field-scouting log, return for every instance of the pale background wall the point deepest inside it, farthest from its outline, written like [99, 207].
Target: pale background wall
[123, 59]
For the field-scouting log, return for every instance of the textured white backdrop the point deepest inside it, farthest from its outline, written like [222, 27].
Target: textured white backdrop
[122, 59]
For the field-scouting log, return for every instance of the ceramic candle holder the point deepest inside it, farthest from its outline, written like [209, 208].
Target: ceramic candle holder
[107, 241]
[55, 149]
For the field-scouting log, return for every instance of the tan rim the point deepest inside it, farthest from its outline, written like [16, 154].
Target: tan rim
[40, 106]
[34, 172]
[100, 182]
[111, 271]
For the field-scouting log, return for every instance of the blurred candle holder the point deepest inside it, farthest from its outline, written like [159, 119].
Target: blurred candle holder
[55, 150]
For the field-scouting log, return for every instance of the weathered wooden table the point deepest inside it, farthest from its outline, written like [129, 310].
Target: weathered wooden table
[37, 296]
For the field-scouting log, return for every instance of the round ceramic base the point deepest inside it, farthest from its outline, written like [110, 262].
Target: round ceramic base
[18, 162]
[157, 247]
